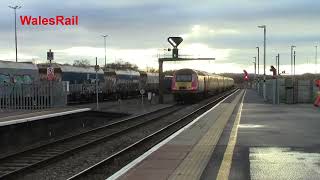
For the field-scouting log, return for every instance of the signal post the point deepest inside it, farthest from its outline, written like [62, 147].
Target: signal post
[174, 41]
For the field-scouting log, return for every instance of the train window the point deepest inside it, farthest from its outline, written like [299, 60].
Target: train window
[183, 78]
[4, 78]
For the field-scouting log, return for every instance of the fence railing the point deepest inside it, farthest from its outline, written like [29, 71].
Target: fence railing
[32, 96]
[299, 91]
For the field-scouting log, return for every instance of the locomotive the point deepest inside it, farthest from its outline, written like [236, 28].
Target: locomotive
[189, 84]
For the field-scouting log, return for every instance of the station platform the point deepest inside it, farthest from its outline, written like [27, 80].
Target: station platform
[240, 138]
[133, 107]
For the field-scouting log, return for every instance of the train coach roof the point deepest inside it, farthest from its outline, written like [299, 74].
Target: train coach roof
[124, 72]
[153, 74]
[65, 68]
[68, 68]
[17, 65]
[184, 71]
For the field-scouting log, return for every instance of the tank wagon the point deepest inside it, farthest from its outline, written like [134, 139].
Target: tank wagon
[189, 84]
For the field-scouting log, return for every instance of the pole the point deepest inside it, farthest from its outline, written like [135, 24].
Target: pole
[15, 33]
[278, 64]
[258, 61]
[316, 59]
[15, 28]
[97, 95]
[105, 50]
[255, 67]
[264, 64]
[160, 81]
[294, 64]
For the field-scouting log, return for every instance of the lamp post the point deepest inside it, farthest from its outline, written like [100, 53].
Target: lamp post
[15, 28]
[255, 67]
[258, 60]
[264, 61]
[316, 59]
[278, 64]
[292, 47]
[105, 50]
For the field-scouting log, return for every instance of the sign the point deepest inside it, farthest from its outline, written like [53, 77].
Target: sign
[96, 68]
[50, 73]
[49, 55]
[142, 91]
[175, 41]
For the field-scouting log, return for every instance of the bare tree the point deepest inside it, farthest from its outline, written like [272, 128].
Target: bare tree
[81, 63]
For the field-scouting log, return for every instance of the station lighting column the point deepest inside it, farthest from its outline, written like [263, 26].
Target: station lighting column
[316, 59]
[292, 47]
[105, 50]
[258, 55]
[15, 28]
[255, 68]
[264, 61]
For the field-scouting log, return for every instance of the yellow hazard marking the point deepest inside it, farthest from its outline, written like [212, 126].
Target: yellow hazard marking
[197, 159]
[225, 166]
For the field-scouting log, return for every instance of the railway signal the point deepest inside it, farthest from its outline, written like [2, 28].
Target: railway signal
[246, 76]
[174, 41]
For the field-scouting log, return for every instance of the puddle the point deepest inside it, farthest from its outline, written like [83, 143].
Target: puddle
[283, 163]
[250, 126]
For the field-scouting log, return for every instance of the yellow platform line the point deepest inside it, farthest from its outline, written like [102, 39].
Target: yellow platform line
[225, 166]
[195, 162]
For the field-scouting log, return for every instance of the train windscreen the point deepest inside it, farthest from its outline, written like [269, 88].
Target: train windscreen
[183, 78]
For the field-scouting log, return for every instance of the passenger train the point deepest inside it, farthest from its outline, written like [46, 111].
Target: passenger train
[188, 84]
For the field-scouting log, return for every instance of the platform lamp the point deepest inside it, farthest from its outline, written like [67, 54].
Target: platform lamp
[264, 61]
[15, 28]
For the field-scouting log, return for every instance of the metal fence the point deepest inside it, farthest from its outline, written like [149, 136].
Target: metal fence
[33, 96]
[288, 91]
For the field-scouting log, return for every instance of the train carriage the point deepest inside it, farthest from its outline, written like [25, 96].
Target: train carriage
[188, 84]
[121, 83]
[20, 73]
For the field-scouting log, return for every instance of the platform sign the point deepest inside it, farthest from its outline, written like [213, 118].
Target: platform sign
[50, 73]
[50, 55]
[96, 68]
[142, 91]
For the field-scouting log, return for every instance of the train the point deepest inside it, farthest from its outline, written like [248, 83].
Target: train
[112, 84]
[189, 84]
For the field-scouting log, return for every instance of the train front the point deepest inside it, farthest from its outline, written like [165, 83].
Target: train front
[185, 84]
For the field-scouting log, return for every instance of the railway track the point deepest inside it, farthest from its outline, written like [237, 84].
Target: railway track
[119, 159]
[16, 165]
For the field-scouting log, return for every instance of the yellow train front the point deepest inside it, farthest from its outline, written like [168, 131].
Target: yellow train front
[190, 85]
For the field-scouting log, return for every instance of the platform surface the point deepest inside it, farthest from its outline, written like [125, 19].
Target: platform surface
[186, 155]
[259, 141]
[272, 142]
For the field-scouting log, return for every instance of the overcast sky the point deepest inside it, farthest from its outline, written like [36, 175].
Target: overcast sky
[138, 29]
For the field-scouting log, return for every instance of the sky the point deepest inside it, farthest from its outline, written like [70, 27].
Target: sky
[138, 31]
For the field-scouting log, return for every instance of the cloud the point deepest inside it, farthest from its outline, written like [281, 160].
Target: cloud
[224, 29]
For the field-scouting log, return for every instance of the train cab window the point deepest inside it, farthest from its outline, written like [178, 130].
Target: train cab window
[4, 78]
[183, 78]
